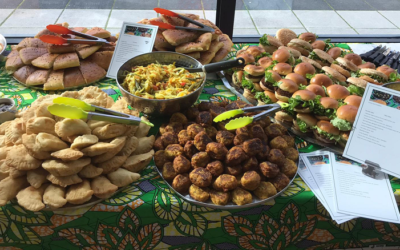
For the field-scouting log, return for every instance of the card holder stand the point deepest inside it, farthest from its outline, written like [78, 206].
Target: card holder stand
[370, 169]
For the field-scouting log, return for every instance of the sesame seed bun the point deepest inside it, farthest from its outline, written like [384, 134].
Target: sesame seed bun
[353, 100]
[304, 69]
[285, 35]
[347, 113]
[372, 72]
[358, 82]
[323, 55]
[321, 80]
[316, 89]
[337, 92]
[346, 64]
[354, 58]
[334, 73]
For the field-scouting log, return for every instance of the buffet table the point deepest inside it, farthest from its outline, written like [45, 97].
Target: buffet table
[148, 215]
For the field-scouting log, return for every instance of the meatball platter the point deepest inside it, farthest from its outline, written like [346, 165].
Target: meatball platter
[210, 166]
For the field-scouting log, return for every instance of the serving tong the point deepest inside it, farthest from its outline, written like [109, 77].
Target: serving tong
[76, 109]
[246, 120]
[203, 28]
[59, 40]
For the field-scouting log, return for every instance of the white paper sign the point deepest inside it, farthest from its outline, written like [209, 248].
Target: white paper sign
[134, 39]
[376, 131]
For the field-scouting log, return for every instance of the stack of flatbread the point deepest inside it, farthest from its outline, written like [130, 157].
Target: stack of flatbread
[205, 47]
[50, 161]
[56, 67]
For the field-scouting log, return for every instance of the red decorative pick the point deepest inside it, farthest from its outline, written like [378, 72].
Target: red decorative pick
[58, 29]
[162, 25]
[53, 39]
[165, 12]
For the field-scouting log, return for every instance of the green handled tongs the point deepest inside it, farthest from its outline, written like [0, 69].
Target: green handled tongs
[245, 120]
[77, 109]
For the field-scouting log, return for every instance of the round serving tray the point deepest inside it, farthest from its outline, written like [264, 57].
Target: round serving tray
[40, 87]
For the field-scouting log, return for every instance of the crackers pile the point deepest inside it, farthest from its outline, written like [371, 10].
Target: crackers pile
[50, 161]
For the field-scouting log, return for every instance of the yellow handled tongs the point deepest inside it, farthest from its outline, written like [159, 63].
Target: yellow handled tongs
[76, 109]
[246, 120]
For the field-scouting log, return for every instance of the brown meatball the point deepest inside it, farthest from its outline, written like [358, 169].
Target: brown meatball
[200, 160]
[235, 156]
[168, 171]
[219, 198]
[241, 197]
[200, 177]
[264, 122]
[178, 118]
[183, 137]
[181, 164]
[204, 119]
[240, 139]
[181, 183]
[188, 124]
[194, 129]
[169, 138]
[243, 130]
[160, 159]
[291, 153]
[280, 181]
[216, 150]
[265, 190]
[273, 131]
[201, 140]
[190, 149]
[205, 106]
[258, 132]
[289, 168]
[269, 169]
[225, 138]
[216, 168]
[221, 126]
[173, 151]
[250, 180]
[192, 113]
[263, 155]
[234, 170]
[280, 127]
[279, 143]
[198, 193]
[162, 128]
[158, 144]
[173, 127]
[216, 110]
[211, 132]
[253, 146]
[225, 182]
[233, 105]
[276, 156]
[289, 140]
[250, 164]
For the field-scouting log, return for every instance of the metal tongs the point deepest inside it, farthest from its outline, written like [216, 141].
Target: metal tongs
[203, 28]
[59, 40]
[245, 120]
[76, 109]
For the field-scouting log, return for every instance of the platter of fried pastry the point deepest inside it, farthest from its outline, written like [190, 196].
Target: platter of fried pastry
[49, 163]
[209, 166]
[40, 65]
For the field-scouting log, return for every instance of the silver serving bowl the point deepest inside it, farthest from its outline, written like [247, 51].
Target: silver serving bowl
[3, 42]
[156, 107]
[392, 85]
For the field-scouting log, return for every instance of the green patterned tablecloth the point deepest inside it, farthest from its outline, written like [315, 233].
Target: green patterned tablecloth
[148, 215]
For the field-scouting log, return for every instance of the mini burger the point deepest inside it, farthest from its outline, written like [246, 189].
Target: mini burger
[374, 74]
[344, 66]
[336, 77]
[304, 69]
[282, 69]
[282, 56]
[388, 71]
[285, 35]
[326, 132]
[354, 100]
[337, 92]
[345, 117]
[354, 58]
[318, 45]
[255, 51]
[302, 46]
[295, 53]
[297, 78]
[356, 86]
[316, 65]
[321, 80]
[367, 65]
[335, 52]
[265, 97]
[269, 43]
[249, 95]
[269, 79]
[285, 89]
[237, 77]
[248, 58]
[321, 57]
[325, 107]
[302, 101]
[304, 123]
[265, 62]
[308, 37]
[253, 73]
[344, 137]
[316, 89]
[284, 118]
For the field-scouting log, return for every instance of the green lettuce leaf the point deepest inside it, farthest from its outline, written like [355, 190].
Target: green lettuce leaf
[394, 76]
[313, 56]
[269, 78]
[355, 90]
[326, 91]
[298, 102]
[248, 85]
[356, 74]
[309, 76]
[264, 40]
[302, 125]
[274, 62]
[319, 110]
[264, 54]
[341, 124]
[301, 87]
[335, 62]
[327, 135]
[297, 61]
[262, 97]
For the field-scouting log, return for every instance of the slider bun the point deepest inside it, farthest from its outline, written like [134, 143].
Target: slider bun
[341, 70]
[334, 52]
[248, 58]
[354, 58]
[295, 53]
[386, 70]
[297, 78]
[323, 55]
[347, 63]
[372, 72]
[285, 35]
[337, 92]
[358, 82]
[311, 61]
[304, 68]
[347, 112]
[271, 95]
[275, 75]
[283, 68]
[328, 127]
[300, 43]
[353, 100]
[288, 85]
[367, 65]
[318, 45]
[254, 70]
[265, 62]
[305, 95]
[321, 80]
[368, 79]
[310, 120]
[308, 37]
[334, 73]
[255, 50]
[237, 78]
[329, 103]
[316, 89]
[281, 55]
[283, 116]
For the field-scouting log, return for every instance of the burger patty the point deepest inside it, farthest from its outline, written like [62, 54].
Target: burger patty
[283, 92]
[267, 84]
